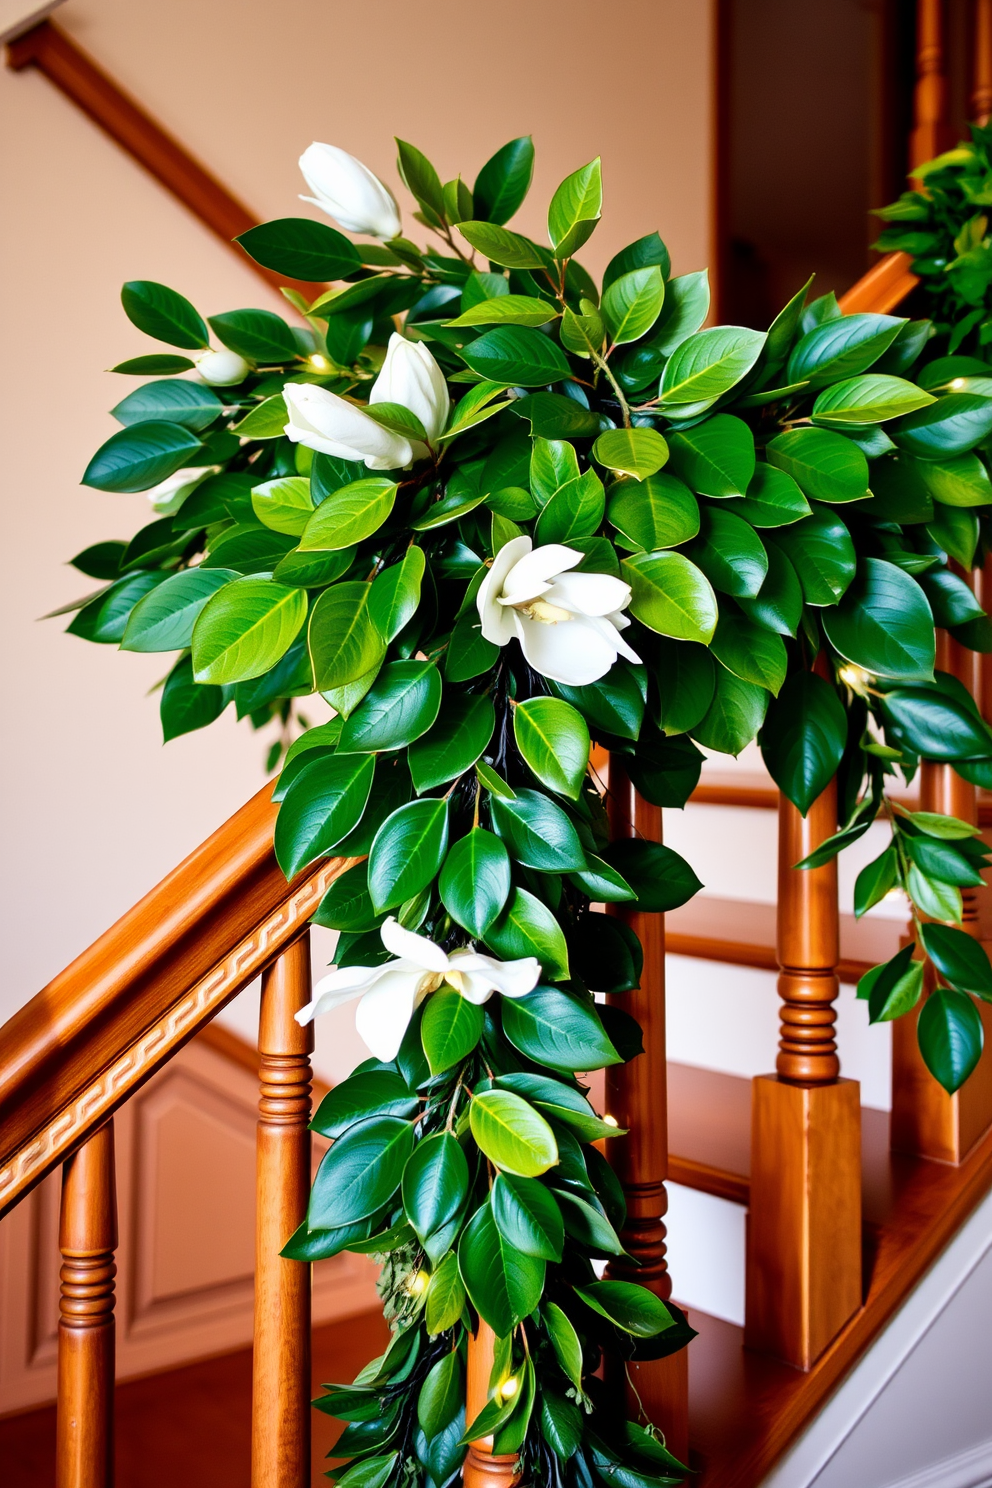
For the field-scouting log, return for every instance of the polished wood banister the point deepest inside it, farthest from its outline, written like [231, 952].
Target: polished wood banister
[79, 1048]
[52, 52]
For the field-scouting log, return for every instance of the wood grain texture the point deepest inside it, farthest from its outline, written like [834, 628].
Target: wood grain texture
[636, 1094]
[280, 1452]
[87, 1240]
[803, 1274]
[86, 1042]
[981, 77]
[54, 54]
[932, 130]
[483, 1468]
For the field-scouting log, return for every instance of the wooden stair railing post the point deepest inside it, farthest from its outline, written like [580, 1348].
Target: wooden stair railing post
[483, 1469]
[280, 1447]
[926, 1121]
[87, 1240]
[981, 77]
[931, 130]
[637, 1096]
[804, 1230]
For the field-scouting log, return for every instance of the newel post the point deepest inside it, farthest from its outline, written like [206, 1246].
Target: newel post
[483, 1468]
[804, 1231]
[280, 1446]
[87, 1239]
[925, 1119]
[637, 1096]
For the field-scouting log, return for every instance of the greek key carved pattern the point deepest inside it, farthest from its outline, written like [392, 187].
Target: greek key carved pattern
[194, 1009]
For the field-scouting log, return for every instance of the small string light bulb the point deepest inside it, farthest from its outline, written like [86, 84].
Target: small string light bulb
[319, 363]
[508, 1389]
[417, 1285]
[611, 1120]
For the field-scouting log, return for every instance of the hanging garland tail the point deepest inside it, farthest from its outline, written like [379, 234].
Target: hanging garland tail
[543, 515]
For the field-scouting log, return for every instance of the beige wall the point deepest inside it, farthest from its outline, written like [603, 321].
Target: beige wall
[96, 811]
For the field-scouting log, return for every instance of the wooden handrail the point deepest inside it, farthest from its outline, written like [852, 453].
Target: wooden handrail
[53, 53]
[103, 1026]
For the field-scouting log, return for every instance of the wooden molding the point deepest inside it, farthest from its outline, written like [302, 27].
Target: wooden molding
[53, 53]
[885, 286]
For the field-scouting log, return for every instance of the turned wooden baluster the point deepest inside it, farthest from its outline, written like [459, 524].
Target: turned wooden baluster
[931, 132]
[87, 1240]
[925, 1119]
[280, 1448]
[483, 1468]
[804, 1231]
[981, 84]
[637, 1096]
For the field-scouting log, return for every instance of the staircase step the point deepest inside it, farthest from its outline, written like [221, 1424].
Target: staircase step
[742, 932]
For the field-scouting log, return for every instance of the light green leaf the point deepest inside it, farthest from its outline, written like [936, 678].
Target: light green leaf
[512, 1134]
[575, 209]
[707, 365]
[636, 452]
[670, 595]
[284, 504]
[344, 643]
[553, 738]
[508, 309]
[632, 304]
[349, 516]
[163, 620]
[244, 628]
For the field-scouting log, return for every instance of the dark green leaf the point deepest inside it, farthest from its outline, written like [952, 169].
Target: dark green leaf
[435, 1182]
[324, 803]
[455, 741]
[504, 1285]
[407, 852]
[804, 737]
[361, 1172]
[884, 624]
[372, 1093]
[475, 881]
[164, 314]
[258, 335]
[558, 1030]
[537, 832]
[138, 458]
[661, 879]
[504, 181]
[401, 704]
[950, 1036]
[301, 249]
[516, 355]
[450, 1029]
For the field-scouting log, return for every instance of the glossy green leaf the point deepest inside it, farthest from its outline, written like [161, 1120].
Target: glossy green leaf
[804, 737]
[875, 880]
[526, 927]
[822, 554]
[959, 481]
[951, 1037]
[407, 852]
[475, 881]
[553, 738]
[537, 832]
[508, 309]
[360, 1172]
[395, 593]
[528, 1217]
[635, 452]
[186, 705]
[661, 879]
[463, 729]
[632, 1308]
[778, 604]
[187, 403]
[868, 400]
[324, 803]
[514, 1136]
[258, 335]
[687, 303]
[632, 303]
[825, 465]
[960, 958]
[349, 516]
[347, 905]
[730, 553]
[361, 1095]
[750, 651]
[504, 1285]
[575, 209]
[244, 628]
[301, 249]
[435, 1180]
[401, 704]
[716, 457]
[504, 180]
[344, 643]
[501, 246]
[707, 365]
[164, 314]
[450, 1029]
[659, 512]
[558, 1030]
[163, 619]
[884, 624]
[671, 595]
[516, 355]
[445, 1299]
[685, 679]
[283, 504]
[138, 458]
[951, 426]
[734, 716]
[574, 511]
[841, 348]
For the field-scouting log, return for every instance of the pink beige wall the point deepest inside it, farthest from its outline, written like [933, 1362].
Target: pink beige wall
[95, 811]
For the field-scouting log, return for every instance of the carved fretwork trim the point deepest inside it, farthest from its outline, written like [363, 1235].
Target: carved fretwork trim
[157, 1044]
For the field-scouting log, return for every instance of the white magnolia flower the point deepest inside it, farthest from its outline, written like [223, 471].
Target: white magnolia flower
[410, 376]
[222, 368]
[568, 625]
[168, 496]
[391, 993]
[347, 190]
[333, 426]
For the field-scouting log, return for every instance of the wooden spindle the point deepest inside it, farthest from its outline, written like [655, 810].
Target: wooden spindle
[637, 1096]
[931, 130]
[87, 1240]
[981, 78]
[804, 1231]
[926, 1120]
[483, 1468]
[280, 1452]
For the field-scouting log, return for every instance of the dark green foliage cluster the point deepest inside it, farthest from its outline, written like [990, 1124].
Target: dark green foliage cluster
[944, 227]
[783, 507]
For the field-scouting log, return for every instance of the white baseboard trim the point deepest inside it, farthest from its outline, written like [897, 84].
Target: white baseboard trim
[855, 1396]
[969, 1469]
